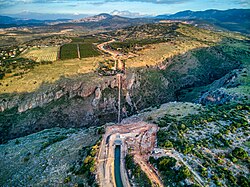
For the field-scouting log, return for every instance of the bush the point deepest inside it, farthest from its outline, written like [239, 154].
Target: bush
[240, 153]
[165, 162]
[17, 142]
[67, 180]
[232, 179]
[184, 173]
[234, 160]
[168, 144]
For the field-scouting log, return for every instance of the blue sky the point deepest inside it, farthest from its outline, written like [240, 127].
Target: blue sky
[143, 7]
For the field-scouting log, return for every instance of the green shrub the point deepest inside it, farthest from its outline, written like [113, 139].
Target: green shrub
[165, 162]
[240, 153]
[67, 180]
[184, 173]
[17, 142]
[168, 144]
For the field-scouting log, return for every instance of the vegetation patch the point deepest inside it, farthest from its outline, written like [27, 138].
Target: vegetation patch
[88, 165]
[88, 50]
[68, 51]
[207, 142]
[135, 173]
[172, 174]
[41, 54]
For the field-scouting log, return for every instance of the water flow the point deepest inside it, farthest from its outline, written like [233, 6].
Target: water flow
[118, 179]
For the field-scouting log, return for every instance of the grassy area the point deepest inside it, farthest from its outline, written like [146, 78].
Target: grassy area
[86, 39]
[42, 54]
[157, 53]
[130, 45]
[68, 51]
[49, 73]
[32, 160]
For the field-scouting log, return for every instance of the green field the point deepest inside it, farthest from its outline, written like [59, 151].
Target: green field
[88, 50]
[86, 47]
[68, 51]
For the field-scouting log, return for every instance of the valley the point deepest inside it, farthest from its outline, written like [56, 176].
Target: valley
[169, 100]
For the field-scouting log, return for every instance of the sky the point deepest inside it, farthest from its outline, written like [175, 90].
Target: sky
[132, 8]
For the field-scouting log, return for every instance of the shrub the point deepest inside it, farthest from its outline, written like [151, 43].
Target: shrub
[240, 153]
[67, 180]
[17, 142]
[184, 173]
[168, 144]
[165, 162]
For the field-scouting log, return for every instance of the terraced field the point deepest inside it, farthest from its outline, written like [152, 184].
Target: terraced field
[42, 54]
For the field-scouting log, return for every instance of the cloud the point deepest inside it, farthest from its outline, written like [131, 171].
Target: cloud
[153, 1]
[243, 3]
[126, 13]
[4, 2]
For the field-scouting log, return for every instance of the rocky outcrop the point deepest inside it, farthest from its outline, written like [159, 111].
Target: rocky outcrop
[218, 96]
[219, 91]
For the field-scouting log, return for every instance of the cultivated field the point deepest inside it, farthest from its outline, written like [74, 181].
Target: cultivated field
[68, 51]
[88, 50]
[42, 54]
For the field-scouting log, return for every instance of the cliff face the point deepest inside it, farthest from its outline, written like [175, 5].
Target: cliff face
[70, 103]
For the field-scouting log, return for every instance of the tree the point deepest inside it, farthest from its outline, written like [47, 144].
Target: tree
[165, 163]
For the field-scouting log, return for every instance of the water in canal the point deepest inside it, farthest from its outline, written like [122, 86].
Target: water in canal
[118, 179]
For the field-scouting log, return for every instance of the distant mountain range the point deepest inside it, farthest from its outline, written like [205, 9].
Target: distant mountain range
[6, 21]
[234, 20]
[105, 21]
[235, 15]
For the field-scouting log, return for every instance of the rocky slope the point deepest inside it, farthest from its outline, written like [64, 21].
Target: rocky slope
[51, 157]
